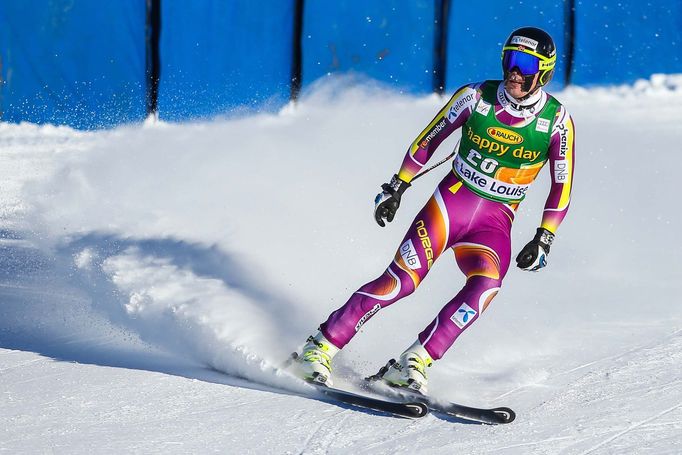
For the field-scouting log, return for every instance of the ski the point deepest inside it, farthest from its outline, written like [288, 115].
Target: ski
[494, 416]
[406, 407]
[397, 406]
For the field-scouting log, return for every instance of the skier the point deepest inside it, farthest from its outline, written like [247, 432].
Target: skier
[510, 129]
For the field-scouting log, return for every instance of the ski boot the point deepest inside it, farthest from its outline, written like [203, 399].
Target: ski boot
[409, 372]
[314, 362]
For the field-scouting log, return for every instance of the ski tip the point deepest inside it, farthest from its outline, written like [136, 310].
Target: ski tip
[418, 409]
[504, 415]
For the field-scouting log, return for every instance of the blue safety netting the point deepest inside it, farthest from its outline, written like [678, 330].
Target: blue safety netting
[621, 42]
[80, 63]
[220, 57]
[390, 41]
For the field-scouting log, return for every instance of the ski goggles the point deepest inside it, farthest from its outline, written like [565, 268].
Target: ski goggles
[527, 61]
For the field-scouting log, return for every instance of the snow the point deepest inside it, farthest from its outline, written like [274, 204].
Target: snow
[137, 261]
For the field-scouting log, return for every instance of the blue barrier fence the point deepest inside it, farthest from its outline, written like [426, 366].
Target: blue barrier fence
[388, 40]
[617, 42]
[91, 64]
[80, 63]
[217, 56]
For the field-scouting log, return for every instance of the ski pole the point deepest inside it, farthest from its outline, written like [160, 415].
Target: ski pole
[438, 163]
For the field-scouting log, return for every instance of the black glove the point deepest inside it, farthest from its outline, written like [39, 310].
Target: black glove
[387, 202]
[533, 256]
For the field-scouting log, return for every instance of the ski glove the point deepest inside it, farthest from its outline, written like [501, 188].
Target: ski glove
[387, 202]
[533, 256]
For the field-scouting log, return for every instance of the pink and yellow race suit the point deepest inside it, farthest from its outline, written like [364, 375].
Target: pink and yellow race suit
[503, 147]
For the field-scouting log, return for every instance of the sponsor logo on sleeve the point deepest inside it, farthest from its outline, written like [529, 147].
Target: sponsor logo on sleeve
[463, 316]
[410, 256]
[458, 105]
[432, 133]
[542, 125]
[563, 135]
[483, 107]
[523, 41]
[560, 171]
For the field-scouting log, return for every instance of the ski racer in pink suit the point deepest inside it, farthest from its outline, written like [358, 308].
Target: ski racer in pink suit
[510, 130]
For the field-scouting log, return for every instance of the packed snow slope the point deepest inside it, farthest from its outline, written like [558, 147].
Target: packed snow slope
[138, 261]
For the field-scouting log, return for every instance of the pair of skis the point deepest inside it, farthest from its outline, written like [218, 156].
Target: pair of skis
[413, 405]
[378, 396]
[406, 403]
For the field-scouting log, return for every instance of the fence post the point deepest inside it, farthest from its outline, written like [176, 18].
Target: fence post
[441, 45]
[569, 38]
[153, 62]
[297, 52]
